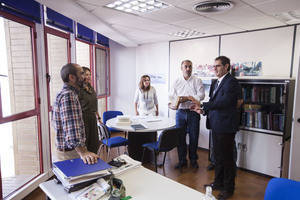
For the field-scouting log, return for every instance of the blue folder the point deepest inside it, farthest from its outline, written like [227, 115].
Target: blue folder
[76, 167]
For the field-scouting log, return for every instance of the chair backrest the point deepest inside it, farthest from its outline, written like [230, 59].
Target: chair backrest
[104, 133]
[169, 139]
[110, 114]
[282, 189]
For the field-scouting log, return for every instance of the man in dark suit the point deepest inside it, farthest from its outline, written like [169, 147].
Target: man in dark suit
[221, 111]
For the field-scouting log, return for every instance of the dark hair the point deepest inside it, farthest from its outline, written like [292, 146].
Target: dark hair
[141, 84]
[224, 60]
[186, 61]
[66, 70]
[86, 69]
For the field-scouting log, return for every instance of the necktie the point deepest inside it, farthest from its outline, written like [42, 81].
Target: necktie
[216, 87]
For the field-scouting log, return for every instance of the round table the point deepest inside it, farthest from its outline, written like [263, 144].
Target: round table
[136, 138]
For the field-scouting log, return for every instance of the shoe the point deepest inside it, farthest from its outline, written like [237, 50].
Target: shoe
[224, 195]
[194, 164]
[180, 165]
[214, 186]
[210, 167]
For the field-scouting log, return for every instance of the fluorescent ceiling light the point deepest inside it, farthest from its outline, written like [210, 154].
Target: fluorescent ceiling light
[187, 33]
[137, 6]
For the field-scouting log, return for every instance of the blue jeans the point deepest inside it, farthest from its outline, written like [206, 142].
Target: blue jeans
[189, 121]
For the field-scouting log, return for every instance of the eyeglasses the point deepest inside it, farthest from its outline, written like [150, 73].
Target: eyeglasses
[218, 65]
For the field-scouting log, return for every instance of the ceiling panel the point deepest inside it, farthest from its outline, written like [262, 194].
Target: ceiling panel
[169, 15]
[279, 6]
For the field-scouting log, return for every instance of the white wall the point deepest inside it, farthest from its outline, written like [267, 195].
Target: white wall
[154, 59]
[123, 78]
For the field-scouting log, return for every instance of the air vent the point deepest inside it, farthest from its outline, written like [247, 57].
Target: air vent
[213, 6]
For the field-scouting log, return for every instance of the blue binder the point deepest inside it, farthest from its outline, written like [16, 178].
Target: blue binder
[76, 167]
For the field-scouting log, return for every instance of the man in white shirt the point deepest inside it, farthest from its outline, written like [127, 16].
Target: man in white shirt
[187, 88]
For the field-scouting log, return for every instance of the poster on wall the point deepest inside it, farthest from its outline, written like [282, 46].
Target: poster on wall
[157, 78]
[253, 68]
[205, 70]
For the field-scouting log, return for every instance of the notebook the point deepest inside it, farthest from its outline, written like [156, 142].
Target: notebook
[138, 126]
[76, 167]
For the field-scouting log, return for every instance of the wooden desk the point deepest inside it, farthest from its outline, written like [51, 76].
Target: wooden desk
[136, 138]
[140, 183]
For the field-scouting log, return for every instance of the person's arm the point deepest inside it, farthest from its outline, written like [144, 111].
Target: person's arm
[98, 117]
[200, 92]
[156, 110]
[136, 100]
[172, 97]
[155, 100]
[73, 127]
[136, 108]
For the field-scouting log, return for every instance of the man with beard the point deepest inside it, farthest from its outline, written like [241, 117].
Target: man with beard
[67, 118]
[186, 89]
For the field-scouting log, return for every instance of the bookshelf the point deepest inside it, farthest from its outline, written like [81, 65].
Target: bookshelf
[265, 124]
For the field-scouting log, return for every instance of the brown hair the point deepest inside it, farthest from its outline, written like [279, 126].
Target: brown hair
[141, 84]
[86, 69]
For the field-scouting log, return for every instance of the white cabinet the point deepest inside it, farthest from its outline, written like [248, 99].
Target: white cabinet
[259, 152]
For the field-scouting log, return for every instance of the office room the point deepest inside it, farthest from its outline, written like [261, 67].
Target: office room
[119, 42]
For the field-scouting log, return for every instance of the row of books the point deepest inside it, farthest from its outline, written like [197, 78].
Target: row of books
[263, 94]
[263, 120]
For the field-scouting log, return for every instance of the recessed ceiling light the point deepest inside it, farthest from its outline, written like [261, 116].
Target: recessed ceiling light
[137, 6]
[290, 17]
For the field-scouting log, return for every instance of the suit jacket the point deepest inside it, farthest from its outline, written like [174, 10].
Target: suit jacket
[221, 108]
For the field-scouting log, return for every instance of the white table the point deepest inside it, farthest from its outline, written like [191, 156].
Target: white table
[152, 123]
[136, 138]
[140, 183]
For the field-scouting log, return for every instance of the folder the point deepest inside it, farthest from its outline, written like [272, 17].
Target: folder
[75, 167]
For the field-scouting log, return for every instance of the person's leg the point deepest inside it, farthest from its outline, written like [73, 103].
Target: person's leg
[211, 166]
[182, 148]
[193, 126]
[217, 151]
[229, 162]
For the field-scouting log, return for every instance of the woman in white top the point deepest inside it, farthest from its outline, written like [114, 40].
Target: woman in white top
[145, 100]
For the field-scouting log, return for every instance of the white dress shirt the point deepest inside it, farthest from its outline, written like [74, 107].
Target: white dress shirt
[146, 100]
[191, 87]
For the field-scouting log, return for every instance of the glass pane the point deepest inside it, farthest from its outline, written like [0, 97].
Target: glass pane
[101, 106]
[101, 66]
[83, 54]
[57, 57]
[19, 153]
[16, 68]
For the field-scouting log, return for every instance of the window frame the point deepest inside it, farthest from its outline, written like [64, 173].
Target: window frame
[107, 71]
[36, 112]
[55, 32]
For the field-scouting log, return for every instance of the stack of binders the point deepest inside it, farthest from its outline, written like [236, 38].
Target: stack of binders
[74, 174]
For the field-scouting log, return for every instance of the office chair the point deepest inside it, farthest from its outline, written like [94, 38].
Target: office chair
[168, 140]
[282, 189]
[109, 142]
[109, 115]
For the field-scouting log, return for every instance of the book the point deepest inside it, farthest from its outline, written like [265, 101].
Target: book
[138, 127]
[75, 167]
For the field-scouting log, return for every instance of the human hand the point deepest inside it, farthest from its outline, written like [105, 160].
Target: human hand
[183, 99]
[173, 107]
[193, 100]
[156, 113]
[196, 108]
[137, 113]
[89, 157]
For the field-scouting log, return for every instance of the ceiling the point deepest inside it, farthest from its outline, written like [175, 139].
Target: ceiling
[133, 30]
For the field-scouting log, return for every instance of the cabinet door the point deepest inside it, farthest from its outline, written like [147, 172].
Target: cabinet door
[262, 153]
[239, 141]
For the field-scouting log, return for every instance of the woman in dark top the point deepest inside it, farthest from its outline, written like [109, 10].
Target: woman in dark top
[89, 106]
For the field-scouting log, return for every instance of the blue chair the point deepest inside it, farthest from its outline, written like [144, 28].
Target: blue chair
[282, 189]
[168, 140]
[109, 115]
[108, 141]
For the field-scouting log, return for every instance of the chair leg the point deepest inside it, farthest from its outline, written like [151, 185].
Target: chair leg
[108, 153]
[99, 150]
[143, 154]
[163, 164]
[155, 160]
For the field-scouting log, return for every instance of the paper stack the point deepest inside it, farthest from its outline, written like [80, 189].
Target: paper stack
[74, 174]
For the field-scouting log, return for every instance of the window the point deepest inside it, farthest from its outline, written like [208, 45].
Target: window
[101, 71]
[83, 54]
[57, 45]
[19, 105]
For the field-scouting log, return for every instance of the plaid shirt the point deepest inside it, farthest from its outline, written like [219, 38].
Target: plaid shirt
[67, 119]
